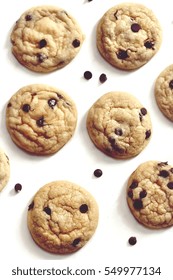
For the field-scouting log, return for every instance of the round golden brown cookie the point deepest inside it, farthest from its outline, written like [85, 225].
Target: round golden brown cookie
[164, 92]
[128, 35]
[41, 119]
[4, 169]
[119, 125]
[62, 217]
[150, 194]
[46, 38]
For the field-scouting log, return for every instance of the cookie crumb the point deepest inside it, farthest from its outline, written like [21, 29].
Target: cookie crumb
[18, 187]
[132, 240]
[103, 78]
[98, 173]
[87, 75]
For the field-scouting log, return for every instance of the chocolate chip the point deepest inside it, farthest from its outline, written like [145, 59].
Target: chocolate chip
[42, 43]
[147, 134]
[137, 204]
[164, 173]
[132, 240]
[26, 108]
[135, 27]
[87, 75]
[47, 210]
[40, 122]
[52, 102]
[143, 111]
[115, 146]
[83, 208]
[171, 84]
[149, 44]
[118, 131]
[162, 163]
[41, 57]
[133, 185]
[76, 43]
[9, 105]
[130, 193]
[18, 187]
[31, 206]
[143, 194]
[28, 17]
[98, 173]
[122, 54]
[76, 242]
[170, 185]
[103, 78]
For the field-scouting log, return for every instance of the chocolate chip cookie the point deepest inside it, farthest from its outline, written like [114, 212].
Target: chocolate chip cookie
[4, 169]
[150, 194]
[62, 217]
[46, 38]
[119, 125]
[41, 119]
[164, 92]
[128, 35]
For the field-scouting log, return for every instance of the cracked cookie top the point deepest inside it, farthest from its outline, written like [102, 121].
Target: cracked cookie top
[46, 38]
[128, 35]
[119, 125]
[62, 217]
[150, 194]
[41, 119]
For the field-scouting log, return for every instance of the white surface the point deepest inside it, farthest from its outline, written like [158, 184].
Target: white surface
[77, 160]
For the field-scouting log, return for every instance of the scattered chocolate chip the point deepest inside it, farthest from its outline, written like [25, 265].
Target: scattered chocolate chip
[40, 122]
[31, 206]
[137, 204]
[135, 27]
[132, 240]
[143, 111]
[164, 173]
[143, 194]
[118, 131]
[170, 185]
[149, 44]
[76, 242]
[47, 210]
[42, 43]
[26, 108]
[28, 17]
[18, 187]
[147, 134]
[122, 54]
[83, 208]
[130, 193]
[98, 173]
[171, 84]
[133, 185]
[41, 57]
[76, 43]
[9, 105]
[52, 102]
[87, 75]
[162, 163]
[103, 78]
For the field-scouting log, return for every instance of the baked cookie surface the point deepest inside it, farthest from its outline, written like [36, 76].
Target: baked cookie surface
[119, 125]
[62, 217]
[41, 119]
[128, 35]
[164, 92]
[46, 38]
[150, 194]
[4, 169]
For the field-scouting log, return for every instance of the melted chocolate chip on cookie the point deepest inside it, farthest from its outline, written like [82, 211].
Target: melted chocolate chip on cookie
[26, 108]
[133, 185]
[149, 44]
[138, 204]
[135, 27]
[147, 134]
[76, 242]
[115, 146]
[40, 122]
[41, 57]
[118, 131]
[52, 102]
[164, 173]
[130, 193]
[143, 194]
[42, 43]
[28, 17]
[170, 185]
[76, 43]
[31, 206]
[9, 105]
[83, 208]
[47, 210]
[171, 84]
[122, 54]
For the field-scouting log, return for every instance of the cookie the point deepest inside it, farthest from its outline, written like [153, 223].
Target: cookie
[41, 119]
[150, 194]
[4, 169]
[128, 35]
[119, 125]
[46, 38]
[164, 92]
[62, 217]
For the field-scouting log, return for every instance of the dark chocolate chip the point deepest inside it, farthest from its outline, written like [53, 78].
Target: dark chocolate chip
[143, 194]
[122, 54]
[149, 44]
[135, 27]
[137, 204]
[115, 146]
[76, 43]
[41, 57]
[118, 131]
[26, 108]
[170, 185]
[18, 187]
[31, 206]
[98, 173]
[42, 43]
[130, 193]
[143, 111]
[147, 134]
[87, 75]
[52, 102]
[40, 122]
[133, 185]
[47, 210]
[103, 78]
[164, 173]
[171, 84]
[76, 242]
[83, 208]
[9, 105]
[28, 17]
[132, 240]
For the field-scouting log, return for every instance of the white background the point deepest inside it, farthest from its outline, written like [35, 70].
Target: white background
[77, 160]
